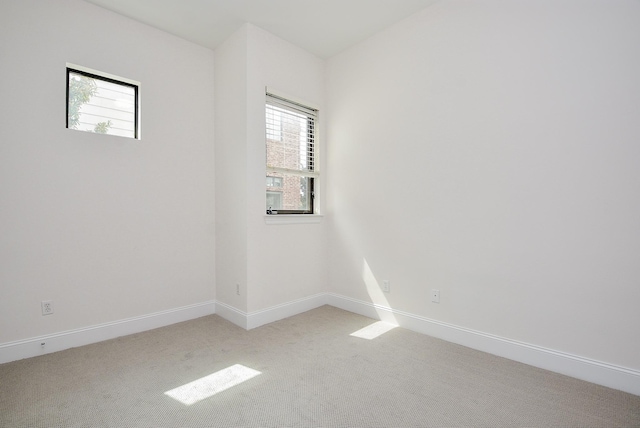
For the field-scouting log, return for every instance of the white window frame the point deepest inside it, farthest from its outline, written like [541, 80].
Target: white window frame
[313, 171]
[110, 78]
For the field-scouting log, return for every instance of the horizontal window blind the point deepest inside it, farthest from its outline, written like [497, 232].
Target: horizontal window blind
[290, 130]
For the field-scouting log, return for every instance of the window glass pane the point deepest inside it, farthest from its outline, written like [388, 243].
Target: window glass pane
[101, 106]
[293, 194]
[290, 153]
[274, 181]
[274, 200]
[303, 200]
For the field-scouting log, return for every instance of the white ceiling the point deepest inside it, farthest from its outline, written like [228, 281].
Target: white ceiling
[322, 27]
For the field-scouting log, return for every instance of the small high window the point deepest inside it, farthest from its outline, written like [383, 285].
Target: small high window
[101, 103]
[291, 156]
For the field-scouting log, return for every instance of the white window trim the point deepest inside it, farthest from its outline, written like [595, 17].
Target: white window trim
[293, 219]
[103, 74]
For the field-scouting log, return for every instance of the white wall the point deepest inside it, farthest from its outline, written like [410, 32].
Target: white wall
[108, 228]
[273, 264]
[231, 170]
[285, 262]
[489, 149]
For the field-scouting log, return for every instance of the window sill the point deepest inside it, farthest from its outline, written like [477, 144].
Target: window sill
[293, 218]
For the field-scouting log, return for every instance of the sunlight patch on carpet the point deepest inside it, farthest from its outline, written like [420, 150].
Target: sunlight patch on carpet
[209, 386]
[374, 330]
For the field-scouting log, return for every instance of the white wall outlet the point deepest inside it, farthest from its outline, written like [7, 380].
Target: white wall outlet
[386, 286]
[435, 296]
[238, 289]
[47, 307]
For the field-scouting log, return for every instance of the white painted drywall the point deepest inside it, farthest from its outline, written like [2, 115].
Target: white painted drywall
[489, 149]
[231, 170]
[285, 262]
[107, 228]
[273, 264]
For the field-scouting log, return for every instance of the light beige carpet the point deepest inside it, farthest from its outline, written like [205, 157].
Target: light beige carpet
[313, 373]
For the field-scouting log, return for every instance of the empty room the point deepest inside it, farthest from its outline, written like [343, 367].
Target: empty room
[356, 213]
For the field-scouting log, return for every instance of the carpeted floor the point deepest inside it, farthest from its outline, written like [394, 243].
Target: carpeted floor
[313, 373]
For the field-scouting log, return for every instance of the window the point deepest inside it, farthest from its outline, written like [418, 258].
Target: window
[101, 103]
[274, 181]
[291, 156]
[274, 200]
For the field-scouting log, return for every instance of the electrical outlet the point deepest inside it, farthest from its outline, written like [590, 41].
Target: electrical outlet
[386, 286]
[435, 296]
[238, 289]
[47, 307]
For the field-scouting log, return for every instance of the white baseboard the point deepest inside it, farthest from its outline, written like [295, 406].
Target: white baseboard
[33, 347]
[228, 312]
[605, 374]
[255, 319]
[275, 313]
[597, 372]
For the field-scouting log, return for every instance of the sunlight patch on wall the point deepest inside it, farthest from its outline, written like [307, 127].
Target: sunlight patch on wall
[374, 330]
[209, 386]
[378, 298]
